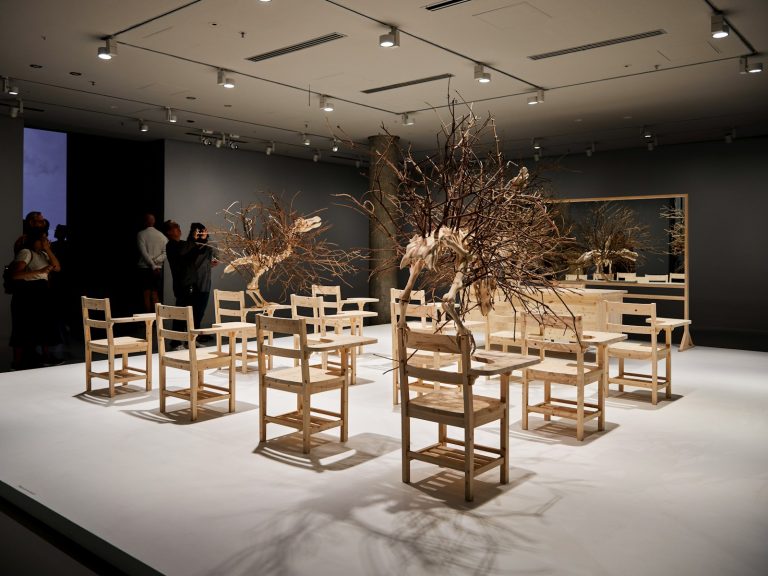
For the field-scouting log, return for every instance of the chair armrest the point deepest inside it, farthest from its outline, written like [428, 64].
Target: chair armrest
[129, 319]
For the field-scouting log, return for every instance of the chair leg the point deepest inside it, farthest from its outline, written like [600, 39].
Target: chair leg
[111, 368]
[504, 432]
[469, 462]
[580, 411]
[305, 421]
[262, 412]
[405, 433]
[601, 405]
[162, 388]
[668, 372]
[88, 360]
[344, 412]
[654, 380]
[524, 421]
[193, 382]
[547, 398]
[621, 373]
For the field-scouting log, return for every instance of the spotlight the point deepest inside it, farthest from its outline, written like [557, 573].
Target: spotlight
[747, 67]
[538, 99]
[270, 148]
[326, 104]
[13, 90]
[590, 150]
[109, 49]
[408, 119]
[234, 145]
[143, 126]
[316, 156]
[205, 141]
[170, 116]
[305, 139]
[729, 136]
[335, 145]
[537, 156]
[391, 39]
[536, 144]
[358, 163]
[719, 27]
[14, 111]
[647, 134]
[481, 75]
[223, 80]
[652, 144]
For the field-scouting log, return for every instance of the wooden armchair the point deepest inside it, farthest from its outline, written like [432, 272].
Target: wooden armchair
[419, 317]
[304, 380]
[551, 334]
[98, 320]
[447, 407]
[229, 306]
[193, 360]
[653, 352]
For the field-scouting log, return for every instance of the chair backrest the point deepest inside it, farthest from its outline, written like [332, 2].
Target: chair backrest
[645, 313]
[330, 297]
[677, 276]
[168, 329]
[554, 332]
[626, 275]
[417, 296]
[294, 347]
[653, 278]
[576, 277]
[96, 315]
[421, 315]
[229, 305]
[410, 340]
[308, 308]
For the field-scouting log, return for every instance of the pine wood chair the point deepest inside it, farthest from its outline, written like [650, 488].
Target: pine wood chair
[229, 306]
[193, 360]
[643, 317]
[337, 317]
[419, 316]
[653, 278]
[304, 380]
[98, 320]
[623, 276]
[448, 407]
[551, 334]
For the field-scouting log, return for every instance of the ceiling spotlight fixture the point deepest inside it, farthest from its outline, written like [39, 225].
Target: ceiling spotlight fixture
[326, 104]
[537, 156]
[538, 99]
[358, 163]
[334, 145]
[536, 144]
[305, 139]
[265, 1]
[747, 67]
[652, 144]
[270, 148]
[223, 80]
[8, 88]
[730, 136]
[647, 134]
[233, 145]
[18, 109]
[408, 119]
[316, 156]
[109, 49]
[143, 126]
[391, 39]
[481, 75]
[590, 150]
[720, 28]
[170, 116]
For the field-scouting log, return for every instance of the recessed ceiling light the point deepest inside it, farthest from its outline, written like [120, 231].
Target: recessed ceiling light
[191, 97]
[75, 73]
[35, 66]
[578, 120]
[227, 105]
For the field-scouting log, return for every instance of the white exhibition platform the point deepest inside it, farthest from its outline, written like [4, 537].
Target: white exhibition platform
[675, 489]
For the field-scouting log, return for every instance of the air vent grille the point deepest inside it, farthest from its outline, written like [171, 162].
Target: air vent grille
[296, 47]
[600, 44]
[445, 4]
[409, 83]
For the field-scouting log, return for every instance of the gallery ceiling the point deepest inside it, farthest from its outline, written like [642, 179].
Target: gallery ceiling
[607, 70]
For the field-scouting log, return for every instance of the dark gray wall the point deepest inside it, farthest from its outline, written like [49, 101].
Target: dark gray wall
[727, 224]
[202, 181]
[11, 195]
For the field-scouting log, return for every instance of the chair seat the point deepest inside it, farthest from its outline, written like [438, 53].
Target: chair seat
[641, 350]
[505, 335]
[319, 379]
[435, 406]
[120, 343]
[562, 369]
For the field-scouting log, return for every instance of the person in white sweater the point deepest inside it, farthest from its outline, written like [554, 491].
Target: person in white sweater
[151, 243]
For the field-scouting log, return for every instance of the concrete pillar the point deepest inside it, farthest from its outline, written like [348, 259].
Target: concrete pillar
[383, 178]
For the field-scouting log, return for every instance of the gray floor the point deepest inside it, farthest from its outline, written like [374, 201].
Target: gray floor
[679, 488]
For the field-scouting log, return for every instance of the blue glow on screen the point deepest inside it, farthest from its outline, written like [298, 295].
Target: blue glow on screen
[45, 175]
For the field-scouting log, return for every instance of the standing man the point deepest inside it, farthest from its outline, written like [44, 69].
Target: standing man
[151, 243]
